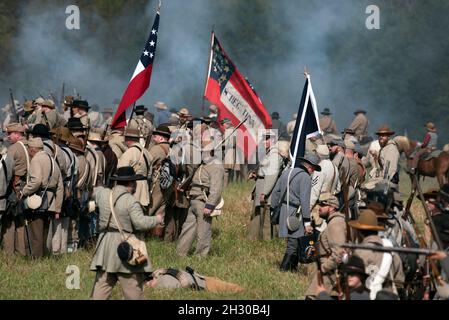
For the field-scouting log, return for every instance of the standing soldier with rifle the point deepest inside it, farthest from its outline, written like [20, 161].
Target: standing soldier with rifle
[44, 180]
[80, 110]
[6, 175]
[329, 251]
[389, 154]
[266, 176]
[159, 197]
[138, 158]
[14, 233]
[205, 195]
[138, 121]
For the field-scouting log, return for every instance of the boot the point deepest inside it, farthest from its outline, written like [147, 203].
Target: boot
[294, 263]
[289, 263]
[285, 264]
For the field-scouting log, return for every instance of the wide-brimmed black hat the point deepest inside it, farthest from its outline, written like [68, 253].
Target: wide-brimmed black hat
[313, 160]
[326, 112]
[348, 131]
[206, 120]
[127, 174]
[80, 104]
[140, 109]
[75, 124]
[359, 111]
[355, 265]
[39, 130]
[162, 130]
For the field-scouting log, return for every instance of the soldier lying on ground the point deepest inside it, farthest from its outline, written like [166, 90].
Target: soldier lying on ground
[173, 279]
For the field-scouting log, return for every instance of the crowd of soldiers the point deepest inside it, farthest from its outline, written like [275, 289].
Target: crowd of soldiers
[345, 191]
[70, 181]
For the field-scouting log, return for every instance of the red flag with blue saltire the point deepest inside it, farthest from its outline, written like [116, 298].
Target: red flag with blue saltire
[140, 81]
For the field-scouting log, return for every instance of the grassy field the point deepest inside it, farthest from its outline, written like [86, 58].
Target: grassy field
[251, 264]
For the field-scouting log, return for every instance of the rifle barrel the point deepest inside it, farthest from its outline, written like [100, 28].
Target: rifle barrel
[419, 251]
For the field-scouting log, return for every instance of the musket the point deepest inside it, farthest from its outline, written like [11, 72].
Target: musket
[62, 98]
[418, 251]
[27, 233]
[40, 95]
[345, 189]
[105, 131]
[230, 135]
[422, 242]
[387, 178]
[13, 106]
[318, 264]
[186, 183]
[433, 229]
[53, 97]
[262, 221]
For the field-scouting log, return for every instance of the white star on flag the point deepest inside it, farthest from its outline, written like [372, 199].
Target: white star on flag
[153, 31]
[145, 53]
[151, 55]
[152, 43]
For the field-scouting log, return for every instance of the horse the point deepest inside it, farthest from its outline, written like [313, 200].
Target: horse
[435, 167]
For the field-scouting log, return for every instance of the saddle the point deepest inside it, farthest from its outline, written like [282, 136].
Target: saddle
[431, 155]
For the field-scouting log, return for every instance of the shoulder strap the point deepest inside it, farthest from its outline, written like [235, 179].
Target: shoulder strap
[112, 205]
[142, 155]
[5, 172]
[27, 157]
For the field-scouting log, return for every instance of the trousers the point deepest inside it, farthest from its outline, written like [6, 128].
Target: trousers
[196, 226]
[132, 285]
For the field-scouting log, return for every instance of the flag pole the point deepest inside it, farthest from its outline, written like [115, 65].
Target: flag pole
[209, 65]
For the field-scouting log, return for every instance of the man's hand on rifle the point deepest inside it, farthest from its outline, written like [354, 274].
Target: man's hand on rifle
[207, 212]
[308, 228]
[160, 218]
[252, 175]
[57, 215]
[262, 199]
[439, 255]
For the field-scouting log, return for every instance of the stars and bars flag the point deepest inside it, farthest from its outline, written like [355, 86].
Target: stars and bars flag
[140, 80]
[307, 123]
[235, 98]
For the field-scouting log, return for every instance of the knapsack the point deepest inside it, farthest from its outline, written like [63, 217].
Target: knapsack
[167, 174]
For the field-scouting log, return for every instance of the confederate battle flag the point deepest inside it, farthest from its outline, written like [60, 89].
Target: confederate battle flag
[140, 81]
[235, 98]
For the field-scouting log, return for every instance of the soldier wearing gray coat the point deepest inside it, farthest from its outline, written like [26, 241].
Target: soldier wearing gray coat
[295, 202]
[129, 214]
[6, 174]
[266, 176]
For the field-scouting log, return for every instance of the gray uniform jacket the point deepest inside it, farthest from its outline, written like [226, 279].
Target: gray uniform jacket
[39, 178]
[267, 175]
[389, 154]
[299, 194]
[360, 125]
[130, 215]
[6, 165]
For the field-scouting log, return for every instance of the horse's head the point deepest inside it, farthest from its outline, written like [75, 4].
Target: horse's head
[406, 146]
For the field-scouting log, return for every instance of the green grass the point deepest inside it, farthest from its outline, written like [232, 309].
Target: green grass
[251, 264]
